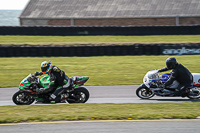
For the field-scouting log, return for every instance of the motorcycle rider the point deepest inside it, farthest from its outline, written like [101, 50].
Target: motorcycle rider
[57, 77]
[179, 73]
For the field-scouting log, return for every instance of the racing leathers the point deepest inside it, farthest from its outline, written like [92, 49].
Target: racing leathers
[57, 77]
[182, 75]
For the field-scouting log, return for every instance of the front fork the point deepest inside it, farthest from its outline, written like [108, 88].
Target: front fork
[147, 89]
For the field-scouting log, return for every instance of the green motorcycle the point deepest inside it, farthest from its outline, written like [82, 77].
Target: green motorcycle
[27, 91]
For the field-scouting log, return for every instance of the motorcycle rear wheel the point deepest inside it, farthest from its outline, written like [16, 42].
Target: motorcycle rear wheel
[196, 96]
[21, 98]
[142, 93]
[79, 95]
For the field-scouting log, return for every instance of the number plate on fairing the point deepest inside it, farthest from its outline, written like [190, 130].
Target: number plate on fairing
[196, 79]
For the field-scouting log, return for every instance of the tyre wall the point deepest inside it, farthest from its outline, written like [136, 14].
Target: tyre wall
[111, 30]
[99, 50]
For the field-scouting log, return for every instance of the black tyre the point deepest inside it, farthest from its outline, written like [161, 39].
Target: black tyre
[142, 93]
[194, 93]
[79, 95]
[21, 98]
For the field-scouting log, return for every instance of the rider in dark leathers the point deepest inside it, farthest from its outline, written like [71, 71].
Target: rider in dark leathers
[179, 73]
[57, 78]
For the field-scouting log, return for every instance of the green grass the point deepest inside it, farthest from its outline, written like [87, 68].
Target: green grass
[99, 39]
[102, 70]
[129, 111]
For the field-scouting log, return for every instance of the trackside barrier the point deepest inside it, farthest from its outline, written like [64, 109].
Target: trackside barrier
[98, 50]
[109, 30]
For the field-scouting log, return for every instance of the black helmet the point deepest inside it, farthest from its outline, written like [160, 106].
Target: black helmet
[171, 62]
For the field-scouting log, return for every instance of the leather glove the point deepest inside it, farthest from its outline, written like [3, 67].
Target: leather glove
[156, 71]
[38, 73]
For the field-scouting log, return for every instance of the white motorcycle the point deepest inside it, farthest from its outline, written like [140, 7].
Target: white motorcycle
[153, 85]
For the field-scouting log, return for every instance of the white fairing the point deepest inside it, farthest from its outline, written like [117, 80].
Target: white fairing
[150, 75]
[155, 82]
[153, 75]
[196, 79]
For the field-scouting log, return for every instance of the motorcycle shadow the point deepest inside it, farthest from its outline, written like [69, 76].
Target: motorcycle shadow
[175, 100]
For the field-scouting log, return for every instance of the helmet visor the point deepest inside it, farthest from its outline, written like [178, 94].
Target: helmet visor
[44, 69]
[171, 65]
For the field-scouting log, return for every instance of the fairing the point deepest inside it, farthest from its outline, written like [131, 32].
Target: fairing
[25, 83]
[79, 80]
[153, 76]
[44, 81]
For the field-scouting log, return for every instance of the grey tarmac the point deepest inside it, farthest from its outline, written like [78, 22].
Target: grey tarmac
[104, 94]
[160, 126]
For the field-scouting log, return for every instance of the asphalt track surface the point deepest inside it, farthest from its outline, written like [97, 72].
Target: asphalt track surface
[105, 94]
[165, 126]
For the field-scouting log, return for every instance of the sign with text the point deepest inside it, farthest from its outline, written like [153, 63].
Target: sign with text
[178, 50]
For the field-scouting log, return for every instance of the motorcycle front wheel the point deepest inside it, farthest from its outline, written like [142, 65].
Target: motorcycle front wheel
[79, 95]
[142, 93]
[21, 98]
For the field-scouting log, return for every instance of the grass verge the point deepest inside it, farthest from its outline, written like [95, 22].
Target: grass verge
[129, 111]
[103, 70]
[69, 40]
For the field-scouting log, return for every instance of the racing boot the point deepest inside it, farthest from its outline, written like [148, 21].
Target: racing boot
[52, 99]
[55, 98]
[183, 93]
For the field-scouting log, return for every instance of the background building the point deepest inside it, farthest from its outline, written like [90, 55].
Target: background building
[111, 13]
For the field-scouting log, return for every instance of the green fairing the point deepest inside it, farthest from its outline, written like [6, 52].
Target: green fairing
[79, 80]
[44, 81]
[24, 84]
